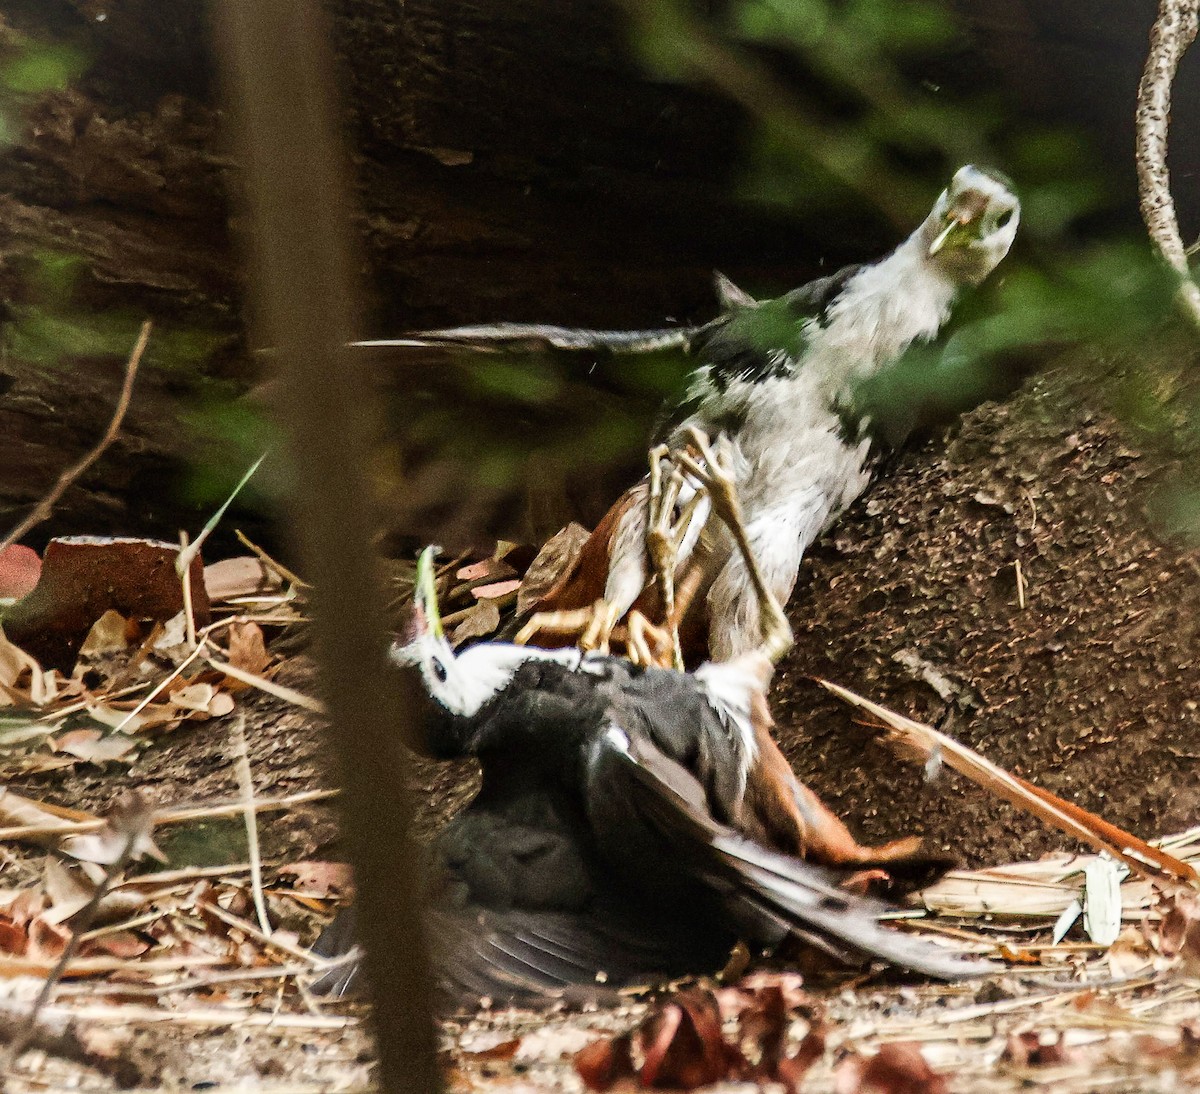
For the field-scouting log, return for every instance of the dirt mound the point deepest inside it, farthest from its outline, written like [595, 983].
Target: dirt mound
[1010, 589]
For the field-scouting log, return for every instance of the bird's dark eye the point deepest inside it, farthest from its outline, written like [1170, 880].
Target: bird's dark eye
[1004, 218]
[439, 670]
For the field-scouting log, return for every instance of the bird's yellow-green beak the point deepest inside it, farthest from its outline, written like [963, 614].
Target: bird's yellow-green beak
[959, 229]
[425, 592]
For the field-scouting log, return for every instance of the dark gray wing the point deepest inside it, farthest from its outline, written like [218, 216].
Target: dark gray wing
[655, 813]
[530, 957]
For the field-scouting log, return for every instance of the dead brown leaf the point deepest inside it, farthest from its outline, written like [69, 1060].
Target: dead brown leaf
[1178, 932]
[481, 619]
[123, 944]
[111, 633]
[681, 1043]
[559, 554]
[490, 569]
[91, 746]
[898, 1068]
[247, 651]
[604, 1063]
[18, 671]
[505, 1050]
[497, 590]
[13, 939]
[315, 878]
[241, 576]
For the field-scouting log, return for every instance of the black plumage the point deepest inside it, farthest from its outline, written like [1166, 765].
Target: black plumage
[603, 847]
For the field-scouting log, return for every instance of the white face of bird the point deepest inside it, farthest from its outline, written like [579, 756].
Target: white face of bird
[973, 224]
[461, 684]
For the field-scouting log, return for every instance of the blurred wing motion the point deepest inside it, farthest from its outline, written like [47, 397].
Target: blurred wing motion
[538, 337]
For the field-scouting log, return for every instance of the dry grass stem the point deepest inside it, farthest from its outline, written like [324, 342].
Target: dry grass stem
[199, 1016]
[185, 581]
[915, 739]
[252, 931]
[280, 691]
[179, 815]
[286, 575]
[246, 783]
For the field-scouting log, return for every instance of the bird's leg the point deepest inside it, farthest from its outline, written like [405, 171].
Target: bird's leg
[660, 542]
[714, 471]
[665, 536]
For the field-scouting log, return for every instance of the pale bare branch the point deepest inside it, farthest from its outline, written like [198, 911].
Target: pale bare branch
[1173, 31]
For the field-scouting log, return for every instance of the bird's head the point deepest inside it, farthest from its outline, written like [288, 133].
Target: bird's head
[973, 224]
[461, 684]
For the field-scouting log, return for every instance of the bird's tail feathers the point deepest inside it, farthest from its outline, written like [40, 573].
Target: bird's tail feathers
[800, 896]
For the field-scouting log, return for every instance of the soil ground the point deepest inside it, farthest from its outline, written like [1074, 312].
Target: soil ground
[1089, 688]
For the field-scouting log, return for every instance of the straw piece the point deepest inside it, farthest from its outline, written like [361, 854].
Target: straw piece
[922, 741]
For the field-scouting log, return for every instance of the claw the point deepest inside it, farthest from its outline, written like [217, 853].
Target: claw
[647, 644]
[594, 625]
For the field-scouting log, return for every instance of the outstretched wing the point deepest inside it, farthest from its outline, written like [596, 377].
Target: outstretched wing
[535, 337]
[654, 813]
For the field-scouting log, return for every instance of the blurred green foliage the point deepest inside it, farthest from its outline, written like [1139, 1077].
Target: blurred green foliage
[842, 119]
[28, 68]
[39, 68]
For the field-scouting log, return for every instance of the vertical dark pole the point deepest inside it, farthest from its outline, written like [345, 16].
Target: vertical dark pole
[276, 61]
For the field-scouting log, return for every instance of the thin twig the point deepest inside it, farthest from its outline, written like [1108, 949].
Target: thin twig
[280, 691]
[1173, 31]
[274, 565]
[246, 783]
[45, 508]
[250, 929]
[168, 879]
[166, 680]
[90, 701]
[104, 1014]
[196, 983]
[181, 815]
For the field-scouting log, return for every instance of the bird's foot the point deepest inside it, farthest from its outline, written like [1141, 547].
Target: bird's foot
[594, 626]
[652, 646]
[714, 472]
